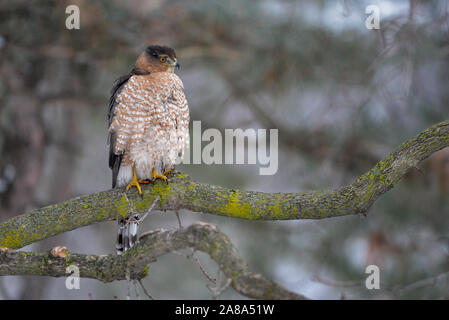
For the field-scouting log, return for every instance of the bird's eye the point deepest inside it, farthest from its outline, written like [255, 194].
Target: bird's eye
[163, 59]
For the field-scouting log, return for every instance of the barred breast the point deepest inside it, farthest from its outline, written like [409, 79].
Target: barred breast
[151, 123]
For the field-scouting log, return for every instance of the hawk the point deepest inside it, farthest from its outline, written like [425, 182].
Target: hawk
[148, 121]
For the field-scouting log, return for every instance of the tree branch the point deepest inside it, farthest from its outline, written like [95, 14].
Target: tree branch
[107, 268]
[183, 193]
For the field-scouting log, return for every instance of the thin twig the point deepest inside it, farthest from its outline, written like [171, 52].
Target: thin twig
[423, 283]
[129, 203]
[179, 218]
[219, 289]
[192, 256]
[149, 209]
[145, 290]
[205, 273]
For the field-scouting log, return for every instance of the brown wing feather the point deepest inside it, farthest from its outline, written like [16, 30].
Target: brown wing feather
[115, 160]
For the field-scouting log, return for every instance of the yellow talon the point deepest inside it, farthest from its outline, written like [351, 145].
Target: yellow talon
[162, 176]
[134, 182]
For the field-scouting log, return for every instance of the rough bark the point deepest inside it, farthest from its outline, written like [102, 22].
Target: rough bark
[200, 236]
[183, 193]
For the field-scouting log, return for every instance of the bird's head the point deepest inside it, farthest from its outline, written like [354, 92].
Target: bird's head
[157, 59]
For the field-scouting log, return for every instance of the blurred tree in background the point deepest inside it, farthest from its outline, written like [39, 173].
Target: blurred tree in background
[341, 96]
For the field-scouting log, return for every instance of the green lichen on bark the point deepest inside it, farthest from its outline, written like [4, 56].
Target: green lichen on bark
[183, 193]
[199, 236]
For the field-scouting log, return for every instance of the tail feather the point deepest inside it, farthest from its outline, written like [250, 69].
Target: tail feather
[126, 235]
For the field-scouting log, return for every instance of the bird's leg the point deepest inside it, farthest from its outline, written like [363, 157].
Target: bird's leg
[134, 182]
[162, 176]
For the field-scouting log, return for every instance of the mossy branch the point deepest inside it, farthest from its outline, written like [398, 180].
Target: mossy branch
[199, 236]
[183, 193]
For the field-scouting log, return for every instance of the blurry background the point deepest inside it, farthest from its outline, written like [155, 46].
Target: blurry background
[341, 96]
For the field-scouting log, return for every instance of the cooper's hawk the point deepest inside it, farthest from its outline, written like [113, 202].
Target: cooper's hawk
[148, 127]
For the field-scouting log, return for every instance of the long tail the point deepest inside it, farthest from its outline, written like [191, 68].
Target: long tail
[126, 235]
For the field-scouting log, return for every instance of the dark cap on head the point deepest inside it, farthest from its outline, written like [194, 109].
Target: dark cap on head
[156, 51]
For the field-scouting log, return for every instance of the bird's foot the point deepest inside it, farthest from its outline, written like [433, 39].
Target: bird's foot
[145, 181]
[134, 183]
[160, 176]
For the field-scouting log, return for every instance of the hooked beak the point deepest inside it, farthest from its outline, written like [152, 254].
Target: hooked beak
[175, 63]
